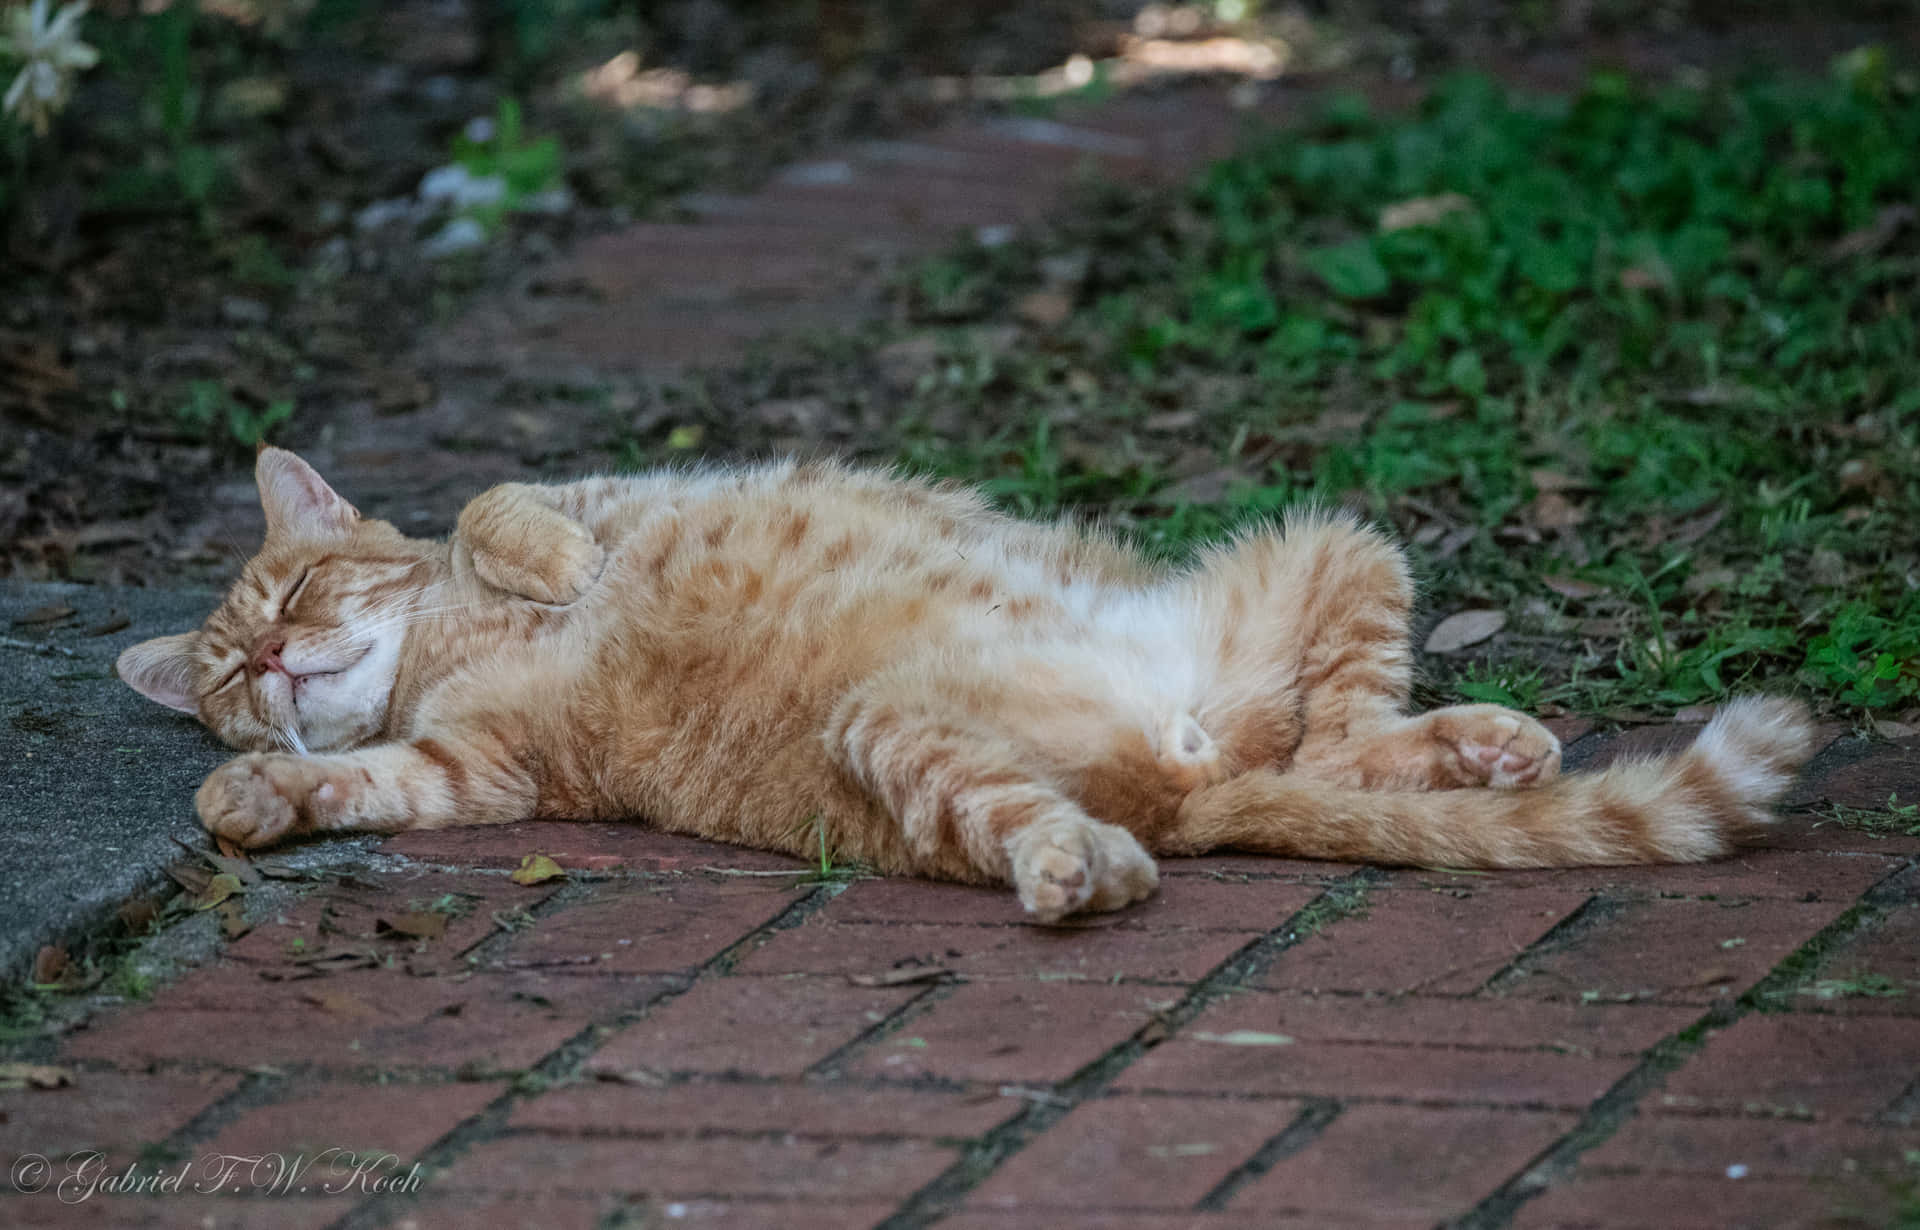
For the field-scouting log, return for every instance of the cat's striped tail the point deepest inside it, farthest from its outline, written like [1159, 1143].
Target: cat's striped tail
[1678, 809]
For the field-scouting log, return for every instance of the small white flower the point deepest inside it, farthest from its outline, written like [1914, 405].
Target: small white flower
[51, 55]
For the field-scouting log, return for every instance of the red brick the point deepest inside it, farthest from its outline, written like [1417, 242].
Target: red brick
[789, 1168]
[1889, 951]
[364, 1120]
[349, 914]
[1243, 868]
[1676, 951]
[1888, 769]
[1811, 831]
[1766, 1148]
[1753, 873]
[1698, 1203]
[1406, 1161]
[1218, 905]
[1569, 730]
[1803, 1063]
[1597, 751]
[573, 843]
[105, 1111]
[1096, 954]
[1105, 1219]
[1205, 1057]
[921, 901]
[1750, 873]
[183, 1212]
[1418, 940]
[1133, 1152]
[646, 926]
[379, 1018]
[1567, 1028]
[762, 1026]
[648, 259]
[802, 1110]
[510, 1211]
[1427, 1074]
[1185, 901]
[1014, 1031]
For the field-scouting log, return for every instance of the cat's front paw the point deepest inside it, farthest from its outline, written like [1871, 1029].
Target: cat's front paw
[1492, 746]
[1074, 863]
[256, 800]
[574, 566]
[560, 574]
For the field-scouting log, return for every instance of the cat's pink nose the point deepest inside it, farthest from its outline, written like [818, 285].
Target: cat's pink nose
[266, 655]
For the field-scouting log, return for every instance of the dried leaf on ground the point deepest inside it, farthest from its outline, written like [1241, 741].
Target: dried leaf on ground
[1554, 480]
[50, 964]
[537, 869]
[34, 1076]
[191, 877]
[1245, 1037]
[319, 964]
[1464, 629]
[1045, 308]
[138, 914]
[902, 976]
[1552, 511]
[418, 925]
[233, 919]
[341, 1004]
[1874, 235]
[50, 613]
[1573, 587]
[218, 889]
[234, 863]
[110, 625]
[1422, 211]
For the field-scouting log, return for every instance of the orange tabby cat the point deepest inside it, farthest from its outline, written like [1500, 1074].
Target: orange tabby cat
[754, 654]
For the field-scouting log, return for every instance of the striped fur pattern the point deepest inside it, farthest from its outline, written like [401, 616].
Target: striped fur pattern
[787, 654]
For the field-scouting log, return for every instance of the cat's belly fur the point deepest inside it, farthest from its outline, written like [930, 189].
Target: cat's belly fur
[696, 685]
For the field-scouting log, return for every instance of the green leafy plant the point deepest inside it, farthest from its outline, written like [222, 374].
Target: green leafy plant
[1661, 345]
[527, 165]
[212, 413]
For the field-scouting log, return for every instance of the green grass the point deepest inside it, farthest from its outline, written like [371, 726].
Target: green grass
[1657, 346]
[1896, 819]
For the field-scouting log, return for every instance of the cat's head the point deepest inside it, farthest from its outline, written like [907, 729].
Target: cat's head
[302, 653]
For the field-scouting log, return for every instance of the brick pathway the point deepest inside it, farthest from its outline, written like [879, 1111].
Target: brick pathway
[683, 1033]
[623, 310]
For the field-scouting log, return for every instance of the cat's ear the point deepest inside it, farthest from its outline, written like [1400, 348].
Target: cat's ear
[298, 502]
[162, 670]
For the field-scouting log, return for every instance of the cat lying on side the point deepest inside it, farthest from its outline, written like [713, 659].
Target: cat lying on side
[757, 654]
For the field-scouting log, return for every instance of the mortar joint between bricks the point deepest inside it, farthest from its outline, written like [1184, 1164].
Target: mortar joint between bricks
[565, 1062]
[1341, 899]
[1596, 911]
[893, 1022]
[1604, 1116]
[1314, 1118]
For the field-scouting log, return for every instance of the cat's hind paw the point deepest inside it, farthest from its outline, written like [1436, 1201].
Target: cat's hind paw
[1073, 863]
[1497, 747]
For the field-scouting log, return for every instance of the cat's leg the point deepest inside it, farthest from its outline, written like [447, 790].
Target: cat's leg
[520, 541]
[1325, 608]
[261, 799]
[965, 793]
